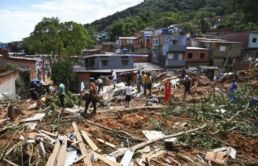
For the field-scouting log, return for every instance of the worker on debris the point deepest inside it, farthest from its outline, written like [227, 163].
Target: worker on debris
[61, 94]
[114, 78]
[100, 84]
[128, 92]
[92, 98]
[144, 77]
[232, 89]
[148, 83]
[167, 91]
[138, 81]
[187, 85]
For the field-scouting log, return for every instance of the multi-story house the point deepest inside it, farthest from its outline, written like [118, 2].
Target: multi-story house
[168, 48]
[221, 52]
[249, 40]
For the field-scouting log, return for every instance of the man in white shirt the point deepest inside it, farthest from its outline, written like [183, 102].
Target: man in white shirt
[128, 92]
[114, 78]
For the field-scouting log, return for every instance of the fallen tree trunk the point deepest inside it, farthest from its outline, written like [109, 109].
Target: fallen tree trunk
[143, 144]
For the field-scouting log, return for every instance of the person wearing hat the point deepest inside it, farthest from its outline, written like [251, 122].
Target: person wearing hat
[92, 98]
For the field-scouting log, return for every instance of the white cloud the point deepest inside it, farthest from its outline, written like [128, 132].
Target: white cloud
[17, 23]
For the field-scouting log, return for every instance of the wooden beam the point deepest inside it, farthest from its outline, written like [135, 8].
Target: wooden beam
[106, 143]
[10, 162]
[83, 149]
[89, 141]
[62, 153]
[79, 159]
[104, 159]
[53, 157]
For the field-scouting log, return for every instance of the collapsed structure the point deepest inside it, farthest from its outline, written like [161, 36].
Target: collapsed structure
[204, 129]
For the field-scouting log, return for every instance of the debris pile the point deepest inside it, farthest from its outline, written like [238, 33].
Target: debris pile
[205, 128]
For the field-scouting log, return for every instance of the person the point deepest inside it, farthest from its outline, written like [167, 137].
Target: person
[187, 85]
[92, 98]
[138, 81]
[82, 87]
[232, 89]
[128, 91]
[148, 83]
[61, 94]
[114, 78]
[144, 78]
[167, 91]
[100, 84]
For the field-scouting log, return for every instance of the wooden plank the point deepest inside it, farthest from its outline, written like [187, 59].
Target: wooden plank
[83, 149]
[48, 133]
[62, 153]
[104, 159]
[79, 159]
[10, 162]
[89, 141]
[106, 143]
[53, 157]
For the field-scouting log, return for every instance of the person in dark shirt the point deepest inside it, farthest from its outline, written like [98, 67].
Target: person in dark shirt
[92, 98]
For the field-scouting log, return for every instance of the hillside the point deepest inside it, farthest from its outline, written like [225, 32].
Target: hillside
[194, 15]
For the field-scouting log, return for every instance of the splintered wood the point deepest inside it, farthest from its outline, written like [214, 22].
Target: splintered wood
[83, 149]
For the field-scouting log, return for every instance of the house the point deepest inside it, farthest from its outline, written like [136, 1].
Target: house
[34, 65]
[108, 62]
[196, 56]
[126, 43]
[86, 52]
[221, 52]
[168, 48]
[249, 40]
[142, 44]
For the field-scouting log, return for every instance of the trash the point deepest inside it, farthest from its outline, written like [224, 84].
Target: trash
[170, 143]
[152, 134]
[220, 155]
[126, 160]
[36, 117]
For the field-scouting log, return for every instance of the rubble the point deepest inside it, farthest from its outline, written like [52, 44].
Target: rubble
[188, 132]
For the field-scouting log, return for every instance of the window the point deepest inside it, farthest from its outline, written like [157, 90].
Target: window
[174, 42]
[190, 55]
[202, 55]
[104, 61]
[125, 60]
[180, 56]
[254, 40]
[222, 48]
[171, 56]
[129, 41]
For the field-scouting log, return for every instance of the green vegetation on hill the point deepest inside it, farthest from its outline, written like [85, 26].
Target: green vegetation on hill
[193, 15]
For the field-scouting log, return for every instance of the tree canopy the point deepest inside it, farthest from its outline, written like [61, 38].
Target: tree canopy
[194, 15]
[50, 36]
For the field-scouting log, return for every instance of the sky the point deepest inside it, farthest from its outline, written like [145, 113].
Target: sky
[19, 17]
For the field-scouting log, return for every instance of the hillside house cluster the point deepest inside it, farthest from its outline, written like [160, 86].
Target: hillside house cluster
[172, 48]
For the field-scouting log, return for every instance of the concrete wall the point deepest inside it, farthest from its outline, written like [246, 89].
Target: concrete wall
[113, 62]
[7, 83]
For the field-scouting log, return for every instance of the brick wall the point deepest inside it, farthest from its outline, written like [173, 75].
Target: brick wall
[29, 64]
[198, 56]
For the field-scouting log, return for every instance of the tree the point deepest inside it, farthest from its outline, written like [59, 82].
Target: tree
[62, 71]
[54, 38]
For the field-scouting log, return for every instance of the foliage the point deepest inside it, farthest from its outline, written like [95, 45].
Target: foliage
[193, 15]
[55, 38]
[62, 71]
[220, 123]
